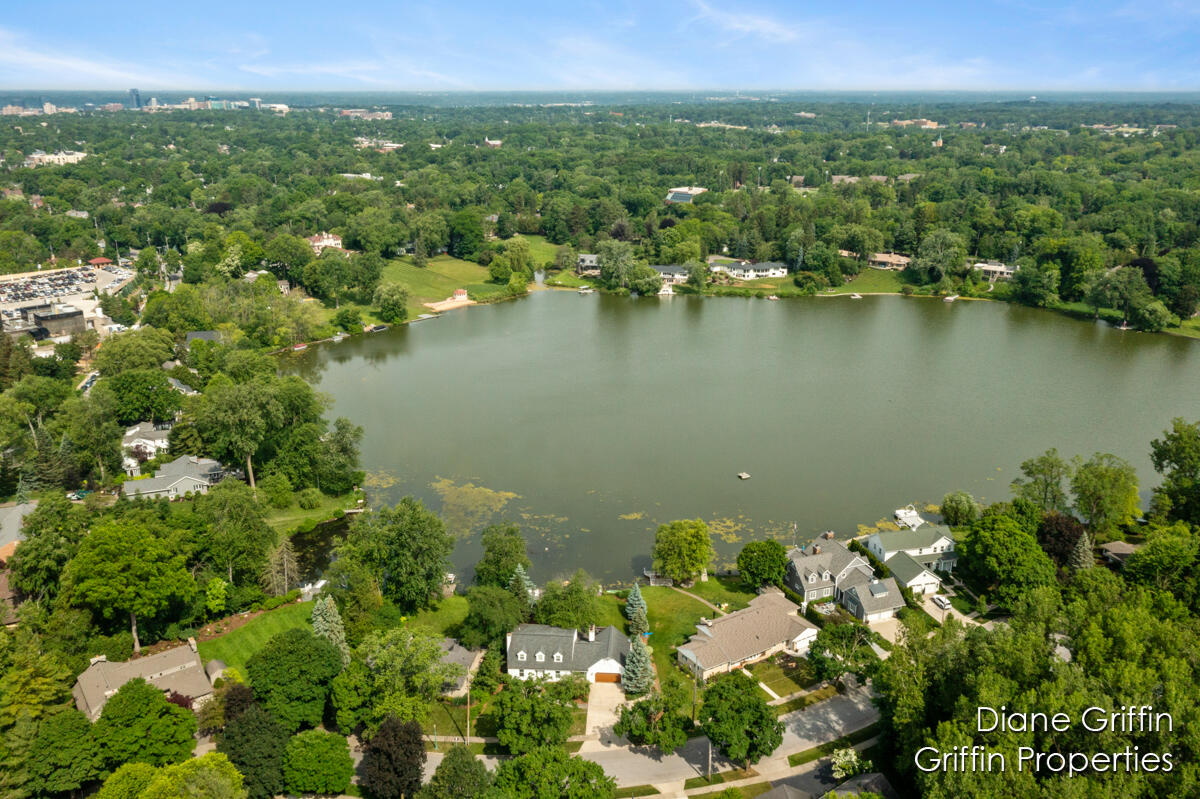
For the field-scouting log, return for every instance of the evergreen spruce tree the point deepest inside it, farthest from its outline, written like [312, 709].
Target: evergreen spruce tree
[639, 672]
[521, 585]
[1081, 556]
[634, 601]
[327, 623]
[638, 623]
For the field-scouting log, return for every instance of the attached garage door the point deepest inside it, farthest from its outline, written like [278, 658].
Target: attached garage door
[602, 676]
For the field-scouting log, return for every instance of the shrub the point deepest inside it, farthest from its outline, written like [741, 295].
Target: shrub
[309, 498]
[277, 490]
[317, 762]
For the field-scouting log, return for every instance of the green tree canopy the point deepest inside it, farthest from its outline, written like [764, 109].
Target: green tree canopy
[762, 563]
[738, 721]
[290, 676]
[138, 724]
[682, 549]
[317, 762]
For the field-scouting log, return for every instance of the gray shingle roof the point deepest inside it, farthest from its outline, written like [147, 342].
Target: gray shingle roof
[578, 653]
[186, 467]
[923, 536]
[875, 596]
[905, 568]
[178, 670]
[770, 620]
[833, 557]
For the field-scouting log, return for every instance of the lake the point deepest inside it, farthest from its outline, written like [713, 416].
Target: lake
[589, 420]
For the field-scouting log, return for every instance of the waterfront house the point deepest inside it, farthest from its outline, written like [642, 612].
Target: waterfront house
[588, 263]
[186, 474]
[143, 441]
[871, 599]
[827, 571]
[671, 275]
[177, 670]
[913, 575]
[931, 545]
[889, 260]
[684, 194]
[1117, 552]
[771, 624]
[995, 270]
[744, 270]
[536, 651]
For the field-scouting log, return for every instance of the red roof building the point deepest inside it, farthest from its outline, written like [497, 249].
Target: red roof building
[100, 261]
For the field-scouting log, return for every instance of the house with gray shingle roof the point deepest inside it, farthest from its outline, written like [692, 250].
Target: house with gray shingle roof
[186, 474]
[818, 570]
[540, 651]
[931, 545]
[914, 575]
[771, 624]
[177, 670]
[456, 654]
[871, 599]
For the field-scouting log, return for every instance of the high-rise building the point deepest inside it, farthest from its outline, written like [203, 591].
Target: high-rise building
[135, 98]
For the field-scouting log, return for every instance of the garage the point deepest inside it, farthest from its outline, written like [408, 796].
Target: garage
[607, 676]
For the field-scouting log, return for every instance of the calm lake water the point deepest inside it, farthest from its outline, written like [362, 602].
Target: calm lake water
[589, 420]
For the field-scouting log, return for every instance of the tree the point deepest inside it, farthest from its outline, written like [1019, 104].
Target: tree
[125, 568]
[127, 782]
[209, 776]
[942, 253]
[466, 234]
[67, 755]
[1106, 492]
[492, 613]
[287, 256]
[255, 742]
[1043, 481]
[840, 649]
[639, 623]
[237, 536]
[317, 762]
[392, 301]
[639, 671]
[233, 419]
[138, 724]
[575, 604]
[653, 721]
[1036, 285]
[327, 624]
[503, 551]
[1081, 556]
[959, 508]
[406, 547]
[762, 563]
[1166, 560]
[526, 717]
[52, 532]
[1006, 558]
[682, 549]
[145, 348]
[1059, 536]
[291, 675]
[849, 763]
[394, 760]
[281, 570]
[141, 395]
[738, 721]
[549, 771]
[460, 775]
[1152, 316]
[635, 602]
[615, 259]
[1176, 456]
[697, 275]
[521, 586]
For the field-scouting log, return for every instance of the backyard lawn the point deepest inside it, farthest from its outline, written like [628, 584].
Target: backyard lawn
[871, 281]
[436, 281]
[442, 619]
[612, 611]
[673, 618]
[722, 590]
[238, 646]
[540, 250]
[285, 519]
[784, 679]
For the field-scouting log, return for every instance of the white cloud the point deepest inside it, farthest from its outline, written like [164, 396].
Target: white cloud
[754, 25]
[25, 64]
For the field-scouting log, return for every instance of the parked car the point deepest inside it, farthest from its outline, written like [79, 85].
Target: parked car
[941, 601]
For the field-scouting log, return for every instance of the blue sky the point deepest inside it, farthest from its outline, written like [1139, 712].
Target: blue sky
[615, 44]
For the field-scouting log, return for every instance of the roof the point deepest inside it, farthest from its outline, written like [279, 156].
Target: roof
[455, 653]
[100, 261]
[770, 620]
[785, 792]
[669, 269]
[147, 431]
[206, 335]
[924, 536]
[905, 568]
[178, 670]
[833, 557]
[185, 467]
[874, 595]
[1119, 551]
[180, 386]
[11, 519]
[578, 653]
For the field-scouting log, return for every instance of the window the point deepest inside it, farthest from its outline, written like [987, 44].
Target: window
[539, 657]
[812, 578]
[826, 575]
[558, 657]
[521, 656]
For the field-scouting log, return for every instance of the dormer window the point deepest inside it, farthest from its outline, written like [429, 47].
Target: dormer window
[826, 575]
[521, 656]
[558, 657]
[812, 578]
[539, 657]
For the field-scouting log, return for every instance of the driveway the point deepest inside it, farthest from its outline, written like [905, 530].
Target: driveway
[604, 701]
[941, 615]
[888, 628]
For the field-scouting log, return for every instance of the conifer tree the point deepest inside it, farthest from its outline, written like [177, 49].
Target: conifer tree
[327, 623]
[521, 585]
[1081, 556]
[634, 601]
[639, 673]
[638, 623]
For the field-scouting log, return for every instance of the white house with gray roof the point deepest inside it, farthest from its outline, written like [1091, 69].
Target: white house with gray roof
[143, 441]
[186, 474]
[771, 624]
[931, 545]
[537, 651]
[827, 571]
[914, 575]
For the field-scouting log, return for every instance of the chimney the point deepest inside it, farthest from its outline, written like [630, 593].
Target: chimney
[192, 643]
[828, 535]
[816, 549]
[592, 633]
[99, 659]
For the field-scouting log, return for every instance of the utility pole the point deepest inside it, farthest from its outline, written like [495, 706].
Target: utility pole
[468, 741]
[710, 760]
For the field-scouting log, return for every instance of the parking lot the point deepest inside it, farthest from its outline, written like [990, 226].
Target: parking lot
[59, 285]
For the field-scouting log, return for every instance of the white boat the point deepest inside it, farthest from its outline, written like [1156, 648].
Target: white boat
[587, 290]
[856, 296]
[743, 475]
[951, 298]
[772, 297]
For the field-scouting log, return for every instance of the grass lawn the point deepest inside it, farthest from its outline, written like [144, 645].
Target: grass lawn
[811, 698]
[817, 752]
[448, 614]
[722, 590]
[719, 777]
[962, 604]
[612, 612]
[436, 281]
[636, 790]
[871, 281]
[673, 618]
[289, 518]
[569, 279]
[238, 646]
[745, 791]
[918, 620]
[540, 250]
[783, 681]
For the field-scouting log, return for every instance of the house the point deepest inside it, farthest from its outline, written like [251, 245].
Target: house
[872, 599]
[211, 336]
[840, 179]
[672, 275]
[818, 571]
[684, 194]
[181, 387]
[537, 651]
[769, 625]
[492, 143]
[910, 573]
[588, 263]
[455, 653]
[186, 474]
[785, 791]
[1117, 552]
[995, 270]
[931, 545]
[889, 260]
[744, 270]
[322, 240]
[177, 670]
[143, 441]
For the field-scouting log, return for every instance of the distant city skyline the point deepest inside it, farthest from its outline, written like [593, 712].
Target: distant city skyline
[620, 45]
